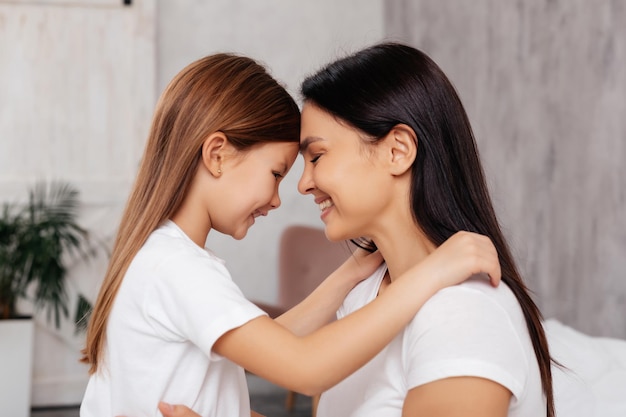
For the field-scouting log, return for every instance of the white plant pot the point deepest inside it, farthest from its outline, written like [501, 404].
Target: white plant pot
[16, 366]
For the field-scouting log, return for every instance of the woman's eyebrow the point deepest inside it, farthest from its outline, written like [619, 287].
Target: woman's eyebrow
[307, 141]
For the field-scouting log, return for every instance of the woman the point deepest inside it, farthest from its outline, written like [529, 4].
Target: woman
[388, 119]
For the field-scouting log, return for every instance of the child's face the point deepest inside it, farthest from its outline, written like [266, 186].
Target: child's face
[346, 177]
[253, 179]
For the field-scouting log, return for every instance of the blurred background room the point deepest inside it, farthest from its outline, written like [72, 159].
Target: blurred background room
[543, 82]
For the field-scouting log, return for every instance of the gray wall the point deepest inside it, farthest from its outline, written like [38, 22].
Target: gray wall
[544, 83]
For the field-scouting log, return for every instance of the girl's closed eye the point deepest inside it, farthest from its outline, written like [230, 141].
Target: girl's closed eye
[315, 158]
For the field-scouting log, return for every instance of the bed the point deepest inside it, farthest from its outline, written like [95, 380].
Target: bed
[593, 380]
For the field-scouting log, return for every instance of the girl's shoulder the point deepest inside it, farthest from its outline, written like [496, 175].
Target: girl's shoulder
[169, 252]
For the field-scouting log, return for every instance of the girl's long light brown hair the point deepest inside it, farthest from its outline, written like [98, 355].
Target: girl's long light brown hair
[221, 92]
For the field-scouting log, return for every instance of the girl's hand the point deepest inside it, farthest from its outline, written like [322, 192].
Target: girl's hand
[360, 265]
[464, 254]
[319, 307]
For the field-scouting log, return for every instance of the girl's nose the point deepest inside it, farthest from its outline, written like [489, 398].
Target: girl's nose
[275, 202]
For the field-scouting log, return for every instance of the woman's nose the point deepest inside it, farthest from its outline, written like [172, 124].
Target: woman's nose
[305, 185]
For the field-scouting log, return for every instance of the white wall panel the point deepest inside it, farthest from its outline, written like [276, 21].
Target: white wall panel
[77, 89]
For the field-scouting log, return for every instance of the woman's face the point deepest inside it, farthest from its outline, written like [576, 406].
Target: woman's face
[345, 175]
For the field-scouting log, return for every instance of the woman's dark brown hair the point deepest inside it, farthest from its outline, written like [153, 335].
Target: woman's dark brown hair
[222, 92]
[388, 84]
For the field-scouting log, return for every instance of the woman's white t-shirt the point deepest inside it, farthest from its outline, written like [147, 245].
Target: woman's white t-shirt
[175, 301]
[471, 329]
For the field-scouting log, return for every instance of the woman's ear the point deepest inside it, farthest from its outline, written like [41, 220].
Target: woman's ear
[214, 149]
[402, 145]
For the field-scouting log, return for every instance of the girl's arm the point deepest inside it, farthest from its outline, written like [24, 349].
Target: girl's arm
[458, 397]
[313, 363]
[319, 307]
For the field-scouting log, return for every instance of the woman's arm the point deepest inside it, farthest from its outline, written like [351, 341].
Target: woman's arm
[313, 363]
[458, 397]
[319, 307]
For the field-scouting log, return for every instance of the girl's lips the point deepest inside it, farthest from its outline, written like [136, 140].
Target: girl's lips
[258, 213]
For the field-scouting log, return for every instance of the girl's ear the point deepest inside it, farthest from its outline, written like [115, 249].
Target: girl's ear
[214, 149]
[402, 145]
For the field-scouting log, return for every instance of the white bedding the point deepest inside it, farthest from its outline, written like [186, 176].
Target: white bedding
[594, 383]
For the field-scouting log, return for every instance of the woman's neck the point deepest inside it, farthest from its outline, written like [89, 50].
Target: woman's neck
[403, 247]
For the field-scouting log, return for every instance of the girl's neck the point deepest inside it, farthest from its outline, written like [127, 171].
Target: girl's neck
[192, 225]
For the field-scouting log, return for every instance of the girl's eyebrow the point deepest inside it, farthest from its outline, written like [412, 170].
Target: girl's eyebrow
[307, 141]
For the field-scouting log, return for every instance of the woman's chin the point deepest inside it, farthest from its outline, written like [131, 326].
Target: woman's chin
[336, 235]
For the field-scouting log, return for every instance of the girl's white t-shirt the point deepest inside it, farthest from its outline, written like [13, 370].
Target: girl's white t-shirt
[175, 301]
[471, 329]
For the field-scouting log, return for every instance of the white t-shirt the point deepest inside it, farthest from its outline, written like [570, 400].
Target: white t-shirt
[175, 301]
[471, 329]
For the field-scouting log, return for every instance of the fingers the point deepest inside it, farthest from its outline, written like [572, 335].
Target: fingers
[169, 410]
[488, 261]
[479, 252]
[166, 409]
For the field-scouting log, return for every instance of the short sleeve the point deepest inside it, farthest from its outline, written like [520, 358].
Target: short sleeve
[465, 332]
[194, 298]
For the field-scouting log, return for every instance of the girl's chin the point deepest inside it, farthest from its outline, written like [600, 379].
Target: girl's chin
[240, 233]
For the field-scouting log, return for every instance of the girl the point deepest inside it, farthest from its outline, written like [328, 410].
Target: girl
[169, 323]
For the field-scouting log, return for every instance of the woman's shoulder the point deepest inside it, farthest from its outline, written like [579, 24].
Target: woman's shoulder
[363, 293]
[472, 304]
[476, 292]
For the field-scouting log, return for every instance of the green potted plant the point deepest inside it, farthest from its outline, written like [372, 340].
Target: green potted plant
[36, 239]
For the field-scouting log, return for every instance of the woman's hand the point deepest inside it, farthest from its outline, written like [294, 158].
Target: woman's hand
[169, 410]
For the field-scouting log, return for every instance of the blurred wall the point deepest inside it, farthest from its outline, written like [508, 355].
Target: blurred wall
[544, 83]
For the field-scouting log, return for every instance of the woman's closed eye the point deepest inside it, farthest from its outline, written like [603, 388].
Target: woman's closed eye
[315, 158]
